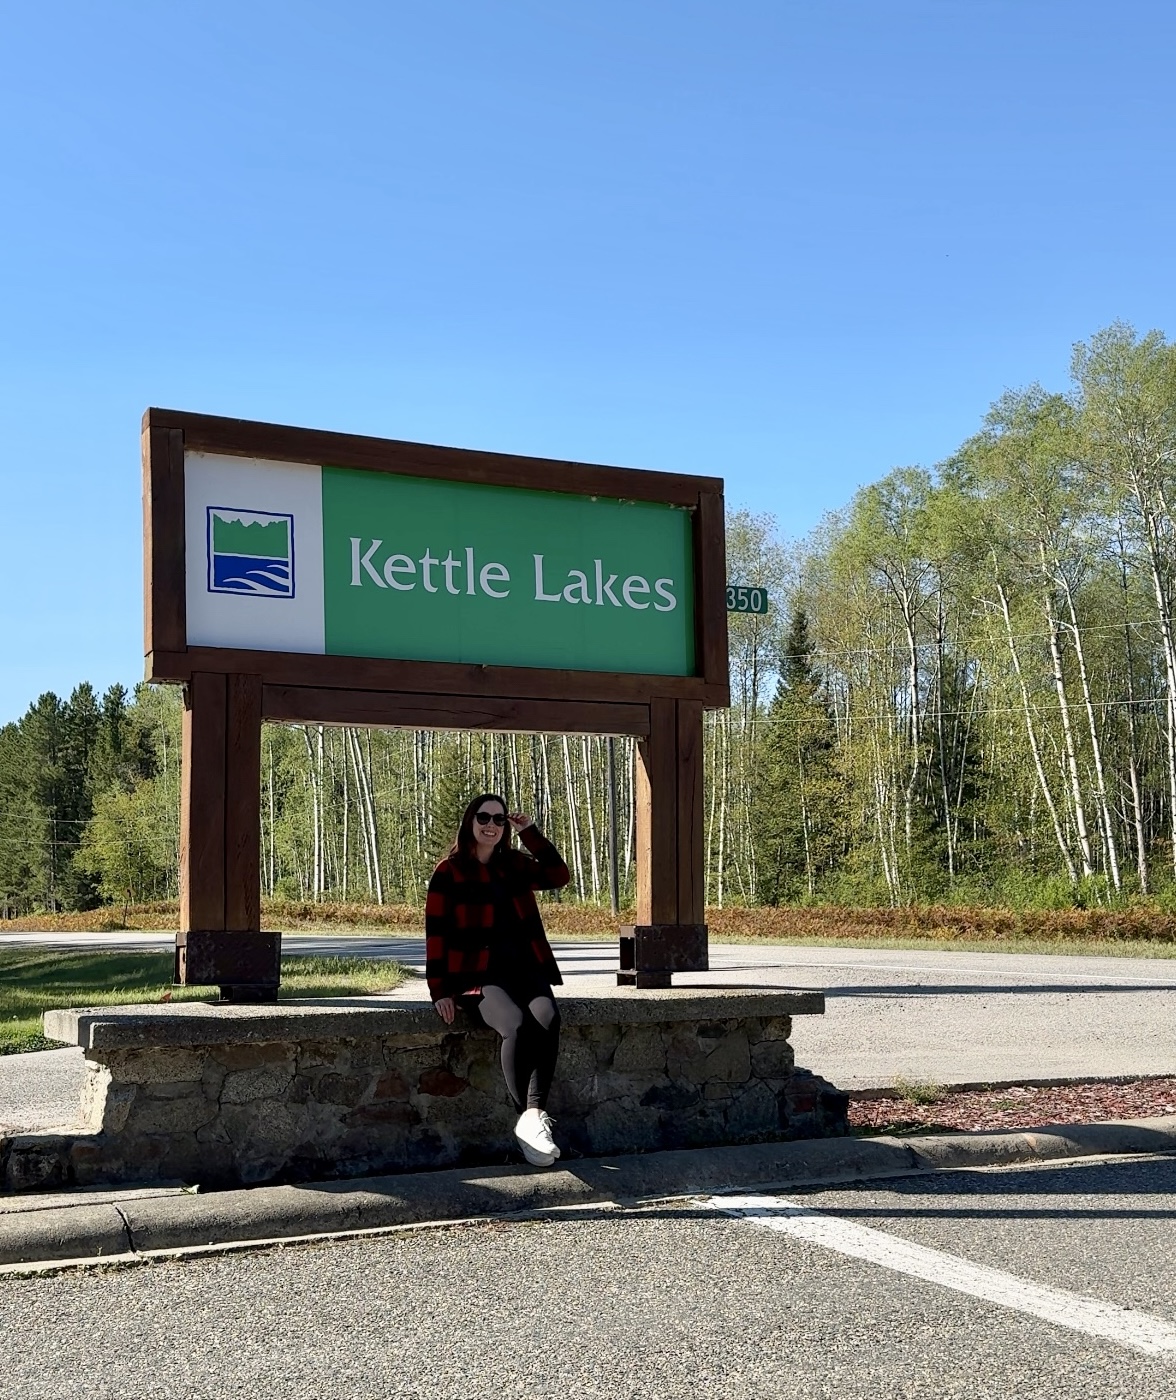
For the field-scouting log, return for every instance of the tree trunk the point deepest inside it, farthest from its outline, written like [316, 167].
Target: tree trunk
[1068, 745]
[1095, 742]
[1031, 733]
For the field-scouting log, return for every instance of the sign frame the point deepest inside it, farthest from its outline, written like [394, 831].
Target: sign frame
[229, 692]
[168, 434]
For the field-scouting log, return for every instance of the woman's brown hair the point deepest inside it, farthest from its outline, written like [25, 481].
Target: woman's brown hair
[464, 846]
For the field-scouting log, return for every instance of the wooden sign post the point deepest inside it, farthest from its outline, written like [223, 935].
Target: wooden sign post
[302, 576]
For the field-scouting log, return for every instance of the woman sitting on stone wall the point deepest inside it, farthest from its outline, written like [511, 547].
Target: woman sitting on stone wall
[486, 950]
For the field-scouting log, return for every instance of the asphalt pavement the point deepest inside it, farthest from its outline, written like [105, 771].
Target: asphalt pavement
[706, 1297]
[933, 1017]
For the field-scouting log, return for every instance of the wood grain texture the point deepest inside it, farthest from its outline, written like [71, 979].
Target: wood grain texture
[710, 551]
[432, 677]
[202, 804]
[243, 803]
[378, 709]
[656, 826]
[689, 815]
[164, 601]
[278, 442]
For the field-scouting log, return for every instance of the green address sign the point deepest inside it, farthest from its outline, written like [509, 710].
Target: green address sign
[742, 598]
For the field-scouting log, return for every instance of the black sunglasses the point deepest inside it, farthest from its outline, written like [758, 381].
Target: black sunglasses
[485, 817]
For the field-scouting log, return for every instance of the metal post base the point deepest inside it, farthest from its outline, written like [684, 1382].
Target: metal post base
[645, 979]
[245, 964]
[250, 993]
[652, 953]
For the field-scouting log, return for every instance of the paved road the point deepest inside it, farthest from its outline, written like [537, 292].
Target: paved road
[680, 1302]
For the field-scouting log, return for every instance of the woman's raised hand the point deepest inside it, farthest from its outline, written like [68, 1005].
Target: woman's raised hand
[445, 1009]
[519, 820]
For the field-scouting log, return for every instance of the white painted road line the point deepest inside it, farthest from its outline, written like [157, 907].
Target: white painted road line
[1139, 1331]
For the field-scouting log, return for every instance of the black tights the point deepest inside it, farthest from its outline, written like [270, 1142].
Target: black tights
[530, 1043]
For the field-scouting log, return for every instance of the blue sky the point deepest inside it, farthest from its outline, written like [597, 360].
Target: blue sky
[792, 244]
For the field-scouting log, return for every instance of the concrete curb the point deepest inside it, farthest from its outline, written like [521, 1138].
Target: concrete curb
[132, 1225]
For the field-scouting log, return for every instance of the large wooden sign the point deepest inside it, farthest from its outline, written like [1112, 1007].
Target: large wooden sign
[298, 575]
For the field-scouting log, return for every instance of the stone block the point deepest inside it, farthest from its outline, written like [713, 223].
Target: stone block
[752, 1114]
[235, 1059]
[772, 1059]
[215, 1131]
[602, 1039]
[324, 1054]
[389, 1085]
[441, 1083]
[685, 1058]
[776, 1028]
[213, 1078]
[162, 1066]
[390, 1111]
[470, 1117]
[183, 1089]
[729, 1061]
[413, 1062]
[302, 1089]
[268, 1080]
[176, 1115]
[113, 1159]
[622, 1127]
[120, 1102]
[264, 1135]
[673, 1097]
[37, 1163]
[577, 1058]
[94, 1088]
[397, 1044]
[346, 1089]
[364, 1056]
[203, 1163]
[486, 1076]
[641, 1048]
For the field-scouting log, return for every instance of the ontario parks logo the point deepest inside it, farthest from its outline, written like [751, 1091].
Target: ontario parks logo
[250, 551]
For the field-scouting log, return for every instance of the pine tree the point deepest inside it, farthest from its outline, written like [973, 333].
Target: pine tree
[797, 804]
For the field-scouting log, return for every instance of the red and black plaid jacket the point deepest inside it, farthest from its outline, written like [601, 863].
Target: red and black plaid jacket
[459, 915]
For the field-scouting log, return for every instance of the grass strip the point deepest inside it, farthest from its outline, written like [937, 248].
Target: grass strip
[35, 980]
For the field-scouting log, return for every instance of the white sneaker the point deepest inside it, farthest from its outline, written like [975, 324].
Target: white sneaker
[533, 1134]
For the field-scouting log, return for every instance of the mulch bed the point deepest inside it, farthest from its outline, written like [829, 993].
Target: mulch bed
[1020, 1107]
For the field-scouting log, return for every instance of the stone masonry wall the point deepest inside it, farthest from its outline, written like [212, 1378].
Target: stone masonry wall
[240, 1114]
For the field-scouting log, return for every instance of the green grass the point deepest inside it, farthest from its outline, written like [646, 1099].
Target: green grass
[917, 1091]
[35, 980]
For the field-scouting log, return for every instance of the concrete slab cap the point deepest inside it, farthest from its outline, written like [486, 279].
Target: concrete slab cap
[202, 1023]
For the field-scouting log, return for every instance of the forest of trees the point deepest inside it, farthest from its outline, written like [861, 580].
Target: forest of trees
[965, 692]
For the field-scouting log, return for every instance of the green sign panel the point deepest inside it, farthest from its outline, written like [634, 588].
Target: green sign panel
[744, 598]
[375, 564]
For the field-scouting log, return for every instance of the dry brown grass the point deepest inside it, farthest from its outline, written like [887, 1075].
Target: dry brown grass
[799, 924]
[947, 924]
